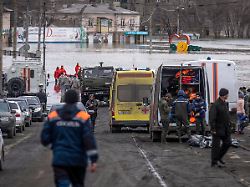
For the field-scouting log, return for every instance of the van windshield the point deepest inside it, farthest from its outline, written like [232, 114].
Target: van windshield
[133, 93]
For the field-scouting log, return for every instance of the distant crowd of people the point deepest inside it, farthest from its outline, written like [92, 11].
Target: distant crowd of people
[64, 81]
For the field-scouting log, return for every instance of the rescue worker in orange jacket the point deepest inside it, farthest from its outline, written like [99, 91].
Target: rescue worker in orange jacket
[62, 71]
[77, 68]
[57, 75]
[69, 132]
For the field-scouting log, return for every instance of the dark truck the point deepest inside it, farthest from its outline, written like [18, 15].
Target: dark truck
[96, 80]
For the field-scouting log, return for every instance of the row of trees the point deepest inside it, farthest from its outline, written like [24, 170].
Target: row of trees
[218, 18]
[230, 18]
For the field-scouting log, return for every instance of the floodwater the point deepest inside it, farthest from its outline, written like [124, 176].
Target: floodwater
[129, 56]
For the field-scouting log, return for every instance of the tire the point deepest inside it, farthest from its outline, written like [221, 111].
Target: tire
[2, 160]
[14, 131]
[155, 136]
[20, 129]
[115, 129]
[23, 127]
[15, 87]
[11, 133]
[41, 119]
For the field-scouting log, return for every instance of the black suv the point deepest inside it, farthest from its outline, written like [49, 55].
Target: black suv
[36, 107]
[7, 119]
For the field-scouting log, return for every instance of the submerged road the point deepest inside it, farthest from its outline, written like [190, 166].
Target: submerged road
[127, 159]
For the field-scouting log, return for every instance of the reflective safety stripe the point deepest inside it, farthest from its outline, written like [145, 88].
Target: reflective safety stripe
[53, 115]
[91, 152]
[83, 115]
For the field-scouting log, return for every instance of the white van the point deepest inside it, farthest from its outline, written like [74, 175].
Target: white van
[220, 74]
[204, 76]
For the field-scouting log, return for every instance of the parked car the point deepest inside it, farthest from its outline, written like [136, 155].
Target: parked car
[20, 116]
[7, 119]
[59, 105]
[25, 109]
[1, 151]
[36, 107]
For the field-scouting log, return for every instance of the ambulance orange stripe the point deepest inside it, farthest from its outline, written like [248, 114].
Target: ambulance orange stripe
[52, 115]
[215, 80]
[83, 115]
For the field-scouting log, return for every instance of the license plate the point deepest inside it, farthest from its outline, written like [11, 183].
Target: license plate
[192, 124]
[172, 124]
[124, 112]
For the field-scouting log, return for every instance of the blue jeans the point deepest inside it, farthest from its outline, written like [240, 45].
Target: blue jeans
[239, 117]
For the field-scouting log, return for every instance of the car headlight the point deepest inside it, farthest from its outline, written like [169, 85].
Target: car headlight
[5, 119]
[37, 109]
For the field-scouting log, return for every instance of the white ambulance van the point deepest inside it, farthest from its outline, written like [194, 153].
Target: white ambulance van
[204, 76]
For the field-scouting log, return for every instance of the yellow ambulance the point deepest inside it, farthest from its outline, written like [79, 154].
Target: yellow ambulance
[130, 95]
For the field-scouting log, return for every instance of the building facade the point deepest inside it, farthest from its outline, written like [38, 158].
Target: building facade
[107, 22]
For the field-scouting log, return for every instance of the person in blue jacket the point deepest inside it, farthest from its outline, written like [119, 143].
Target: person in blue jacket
[181, 109]
[68, 130]
[199, 109]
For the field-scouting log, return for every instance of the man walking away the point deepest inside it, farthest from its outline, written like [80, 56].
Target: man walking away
[199, 109]
[220, 128]
[164, 112]
[181, 109]
[73, 144]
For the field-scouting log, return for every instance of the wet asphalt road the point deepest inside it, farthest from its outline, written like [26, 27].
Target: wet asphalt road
[127, 159]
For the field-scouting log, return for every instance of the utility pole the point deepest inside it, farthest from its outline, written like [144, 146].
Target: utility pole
[178, 20]
[150, 35]
[14, 38]
[1, 48]
[38, 52]
[26, 30]
[44, 26]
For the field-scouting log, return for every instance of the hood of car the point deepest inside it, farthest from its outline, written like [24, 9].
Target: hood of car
[34, 106]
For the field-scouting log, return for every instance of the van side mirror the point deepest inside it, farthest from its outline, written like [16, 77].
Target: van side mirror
[145, 101]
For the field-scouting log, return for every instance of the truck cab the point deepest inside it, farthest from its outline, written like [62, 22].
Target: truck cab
[96, 80]
[23, 77]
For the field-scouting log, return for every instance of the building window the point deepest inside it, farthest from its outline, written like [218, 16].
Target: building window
[132, 22]
[90, 22]
[110, 22]
[122, 22]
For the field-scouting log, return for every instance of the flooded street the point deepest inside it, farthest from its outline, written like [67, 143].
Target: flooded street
[130, 158]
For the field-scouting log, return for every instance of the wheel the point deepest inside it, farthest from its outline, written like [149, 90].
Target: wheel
[23, 127]
[2, 160]
[15, 87]
[14, 131]
[11, 132]
[41, 119]
[20, 129]
[115, 129]
[156, 136]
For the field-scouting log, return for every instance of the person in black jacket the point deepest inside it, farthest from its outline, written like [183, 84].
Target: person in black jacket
[220, 128]
[42, 96]
[181, 108]
[69, 132]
